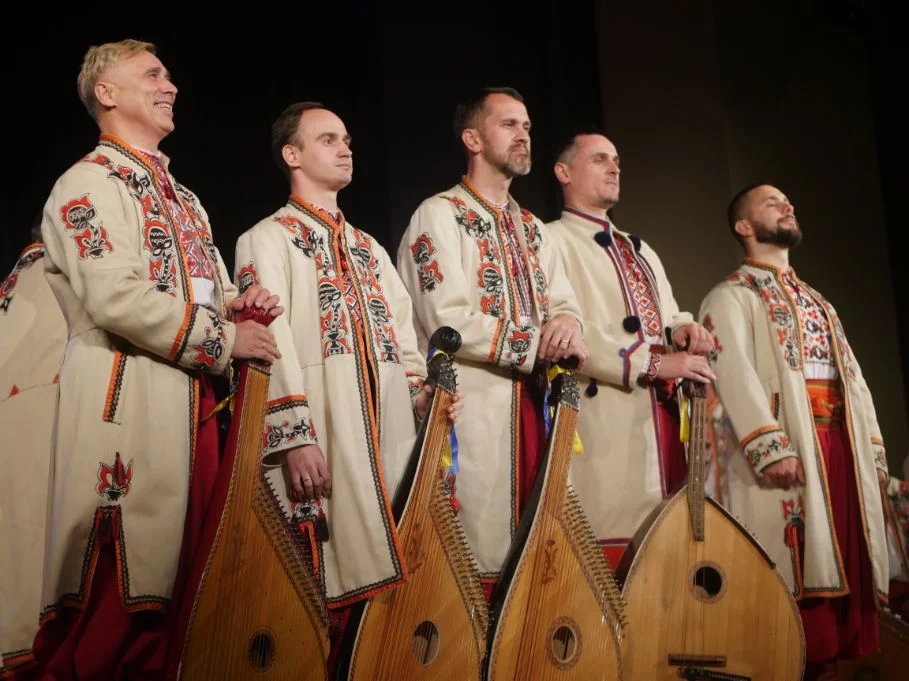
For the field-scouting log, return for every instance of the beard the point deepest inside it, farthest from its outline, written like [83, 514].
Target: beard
[778, 234]
[515, 161]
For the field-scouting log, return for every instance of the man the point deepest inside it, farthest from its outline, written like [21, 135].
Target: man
[148, 304]
[474, 260]
[808, 483]
[340, 421]
[32, 337]
[629, 420]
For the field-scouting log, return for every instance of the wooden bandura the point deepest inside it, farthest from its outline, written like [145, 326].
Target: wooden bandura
[434, 625]
[704, 600]
[253, 611]
[557, 611]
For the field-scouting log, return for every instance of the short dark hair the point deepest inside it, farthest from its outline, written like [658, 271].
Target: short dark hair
[467, 110]
[569, 145]
[736, 207]
[284, 130]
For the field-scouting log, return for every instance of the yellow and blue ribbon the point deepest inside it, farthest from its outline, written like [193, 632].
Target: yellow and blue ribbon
[450, 454]
[549, 411]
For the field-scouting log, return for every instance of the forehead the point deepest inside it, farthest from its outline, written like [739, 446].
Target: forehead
[765, 192]
[499, 105]
[591, 145]
[316, 122]
[137, 64]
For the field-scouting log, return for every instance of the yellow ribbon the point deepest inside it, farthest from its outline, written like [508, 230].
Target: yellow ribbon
[684, 419]
[577, 447]
[226, 402]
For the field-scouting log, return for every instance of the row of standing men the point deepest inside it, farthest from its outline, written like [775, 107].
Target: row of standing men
[130, 262]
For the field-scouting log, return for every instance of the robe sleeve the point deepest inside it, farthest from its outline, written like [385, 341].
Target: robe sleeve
[760, 435]
[261, 258]
[91, 240]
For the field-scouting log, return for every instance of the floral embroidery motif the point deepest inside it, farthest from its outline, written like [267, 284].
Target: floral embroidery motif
[78, 217]
[534, 242]
[299, 433]
[779, 310]
[845, 350]
[157, 238]
[765, 446]
[248, 277]
[370, 278]
[210, 350]
[428, 272]
[114, 481]
[7, 288]
[489, 279]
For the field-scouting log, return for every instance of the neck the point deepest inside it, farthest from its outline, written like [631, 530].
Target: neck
[588, 207]
[778, 256]
[491, 183]
[317, 195]
[138, 137]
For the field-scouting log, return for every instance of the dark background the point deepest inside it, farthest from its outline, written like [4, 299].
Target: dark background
[699, 96]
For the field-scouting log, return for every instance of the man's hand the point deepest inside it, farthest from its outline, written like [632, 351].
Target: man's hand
[561, 337]
[256, 296]
[694, 338]
[254, 341]
[784, 473]
[421, 404]
[308, 472]
[882, 476]
[682, 365]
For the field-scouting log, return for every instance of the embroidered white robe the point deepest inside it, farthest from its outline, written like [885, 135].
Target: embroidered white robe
[321, 392]
[453, 261]
[760, 380]
[619, 478]
[128, 408]
[32, 337]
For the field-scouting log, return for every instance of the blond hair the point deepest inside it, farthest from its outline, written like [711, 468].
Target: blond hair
[101, 58]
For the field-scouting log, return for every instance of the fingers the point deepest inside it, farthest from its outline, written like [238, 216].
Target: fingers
[546, 340]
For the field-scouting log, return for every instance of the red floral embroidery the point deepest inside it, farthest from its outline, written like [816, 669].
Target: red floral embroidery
[247, 277]
[78, 216]
[114, 481]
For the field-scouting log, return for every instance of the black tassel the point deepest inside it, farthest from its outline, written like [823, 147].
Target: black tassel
[604, 239]
[636, 242]
[592, 388]
[631, 324]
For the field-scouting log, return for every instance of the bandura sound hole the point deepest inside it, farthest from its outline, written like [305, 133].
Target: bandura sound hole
[707, 582]
[564, 644]
[261, 651]
[426, 642]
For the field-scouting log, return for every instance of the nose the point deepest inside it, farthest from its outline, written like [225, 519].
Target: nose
[787, 208]
[169, 87]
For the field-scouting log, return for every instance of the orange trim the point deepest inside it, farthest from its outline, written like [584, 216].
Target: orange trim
[285, 400]
[366, 363]
[178, 341]
[13, 666]
[113, 387]
[877, 441]
[757, 433]
[500, 325]
[321, 213]
[516, 453]
[366, 594]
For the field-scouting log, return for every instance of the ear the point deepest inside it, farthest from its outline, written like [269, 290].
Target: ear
[471, 139]
[744, 229]
[563, 175]
[290, 154]
[105, 93]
